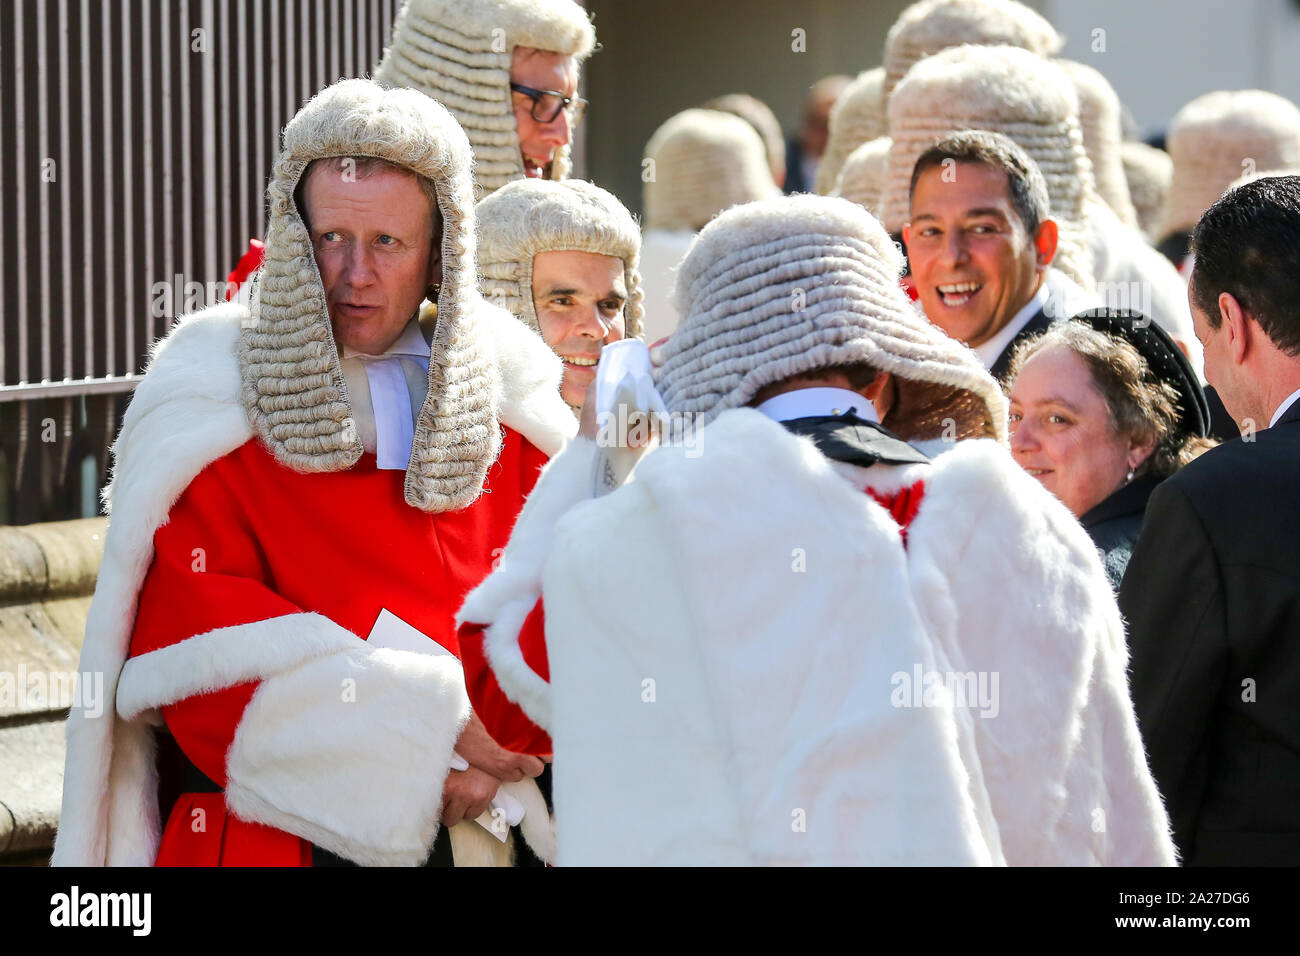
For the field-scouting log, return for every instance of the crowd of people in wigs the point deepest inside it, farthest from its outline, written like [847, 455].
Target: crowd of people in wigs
[834, 512]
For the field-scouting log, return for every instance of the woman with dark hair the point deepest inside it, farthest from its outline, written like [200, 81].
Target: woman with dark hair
[1103, 408]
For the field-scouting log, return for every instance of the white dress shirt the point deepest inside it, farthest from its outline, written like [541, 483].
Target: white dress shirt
[990, 350]
[1281, 409]
[1059, 296]
[810, 402]
[396, 383]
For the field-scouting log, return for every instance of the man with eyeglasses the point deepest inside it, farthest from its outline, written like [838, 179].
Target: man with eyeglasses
[544, 117]
[459, 53]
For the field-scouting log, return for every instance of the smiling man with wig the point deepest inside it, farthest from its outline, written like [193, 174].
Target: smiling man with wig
[563, 259]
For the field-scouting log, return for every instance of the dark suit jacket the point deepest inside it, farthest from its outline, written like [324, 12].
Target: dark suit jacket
[794, 168]
[1114, 524]
[1212, 597]
[1039, 323]
[1222, 426]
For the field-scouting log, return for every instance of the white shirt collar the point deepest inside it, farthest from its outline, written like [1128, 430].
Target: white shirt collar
[393, 396]
[990, 350]
[810, 402]
[1281, 409]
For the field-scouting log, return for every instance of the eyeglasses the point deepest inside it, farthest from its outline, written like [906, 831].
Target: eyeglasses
[548, 103]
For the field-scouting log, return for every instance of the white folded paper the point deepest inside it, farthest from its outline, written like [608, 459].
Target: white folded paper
[626, 363]
[626, 398]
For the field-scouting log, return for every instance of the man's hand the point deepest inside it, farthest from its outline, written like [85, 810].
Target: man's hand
[587, 418]
[642, 426]
[478, 747]
[466, 795]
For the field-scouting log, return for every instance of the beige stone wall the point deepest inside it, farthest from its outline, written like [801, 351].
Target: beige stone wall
[47, 575]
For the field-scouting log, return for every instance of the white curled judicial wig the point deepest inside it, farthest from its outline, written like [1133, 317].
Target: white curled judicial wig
[862, 180]
[293, 386]
[857, 116]
[928, 27]
[778, 288]
[1004, 90]
[700, 163]
[1149, 171]
[524, 218]
[459, 53]
[1219, 136]
[1101, 122]
[1253, 175]
[760, 116]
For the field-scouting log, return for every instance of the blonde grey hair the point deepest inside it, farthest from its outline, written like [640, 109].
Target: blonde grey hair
[362, 167]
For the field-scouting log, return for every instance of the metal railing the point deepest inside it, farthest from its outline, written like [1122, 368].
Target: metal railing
[137, 137]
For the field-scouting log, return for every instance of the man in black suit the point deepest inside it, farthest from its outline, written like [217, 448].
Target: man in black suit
[980, 244]
[1212, 594]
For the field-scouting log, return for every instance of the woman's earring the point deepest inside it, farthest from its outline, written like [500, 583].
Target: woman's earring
[1130, 475]
[432, 293]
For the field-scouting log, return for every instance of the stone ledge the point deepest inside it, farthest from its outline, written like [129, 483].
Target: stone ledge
[47, 577]
[54, 559]
[31, 768]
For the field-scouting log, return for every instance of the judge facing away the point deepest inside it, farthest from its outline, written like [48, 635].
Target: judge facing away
[859, 635]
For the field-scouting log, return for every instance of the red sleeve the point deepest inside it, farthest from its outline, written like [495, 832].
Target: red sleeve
[504, 720]
[248, 263]
[207, 573]
[533, 461]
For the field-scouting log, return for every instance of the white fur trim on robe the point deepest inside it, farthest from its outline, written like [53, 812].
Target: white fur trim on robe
[530, 374]
[1010, 584]
[762, 744]
[888, 480]
[507, 596]
[306, 757]
[185, 414]
[1057, 775]
[351, 751]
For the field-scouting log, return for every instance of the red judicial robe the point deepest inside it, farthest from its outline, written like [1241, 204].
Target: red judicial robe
[250, 540]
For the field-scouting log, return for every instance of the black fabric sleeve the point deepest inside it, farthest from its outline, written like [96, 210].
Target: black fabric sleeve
[1173, 599]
